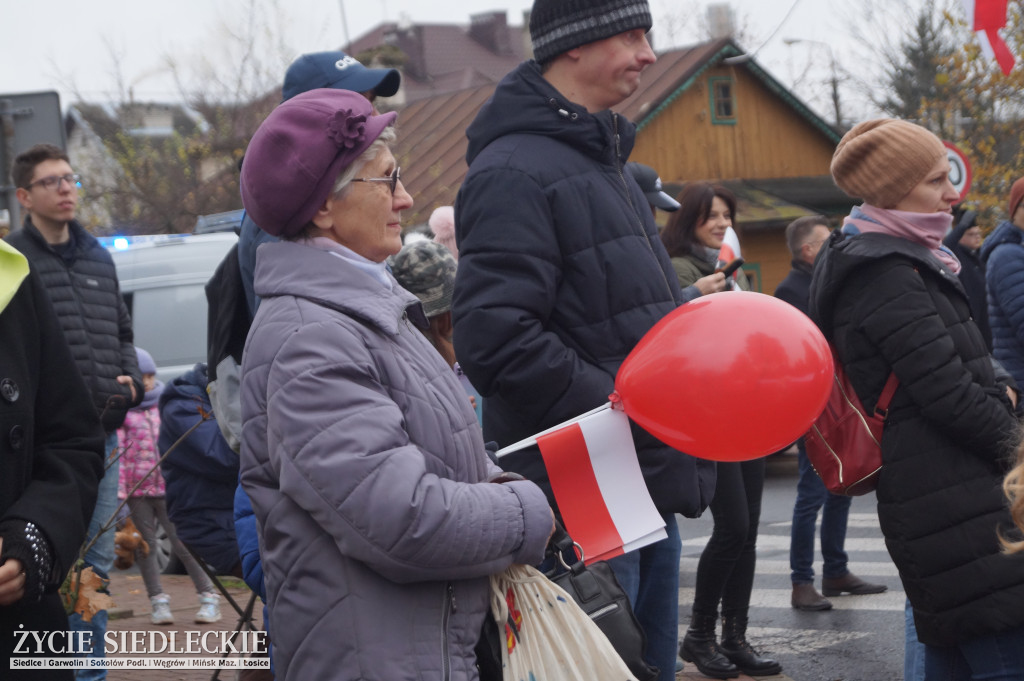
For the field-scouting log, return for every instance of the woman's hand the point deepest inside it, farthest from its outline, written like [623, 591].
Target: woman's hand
[12, 581]
[713, 283]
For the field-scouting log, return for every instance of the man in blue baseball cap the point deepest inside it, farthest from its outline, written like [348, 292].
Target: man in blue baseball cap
[338, 71]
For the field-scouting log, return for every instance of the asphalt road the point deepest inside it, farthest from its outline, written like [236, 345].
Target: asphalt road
[860, 639]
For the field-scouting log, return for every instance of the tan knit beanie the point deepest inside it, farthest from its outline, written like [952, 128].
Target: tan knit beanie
[881, 160]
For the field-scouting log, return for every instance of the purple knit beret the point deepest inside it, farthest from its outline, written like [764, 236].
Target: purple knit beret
[298, 152]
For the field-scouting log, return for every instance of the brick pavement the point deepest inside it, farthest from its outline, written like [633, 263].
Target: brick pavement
[131, 613]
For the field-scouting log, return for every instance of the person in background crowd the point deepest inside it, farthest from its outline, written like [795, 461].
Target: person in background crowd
[885, 293]
[965, 240]
[335, 70]
[143, 485]
[442, 225]
[81, 281]
[201, 472]
[1013, 486]
[693, 238]
[375, 509]
[427, 270]
[650, 184]
[804, 237]
[51, 461]
[546, 212]
[1003, 257]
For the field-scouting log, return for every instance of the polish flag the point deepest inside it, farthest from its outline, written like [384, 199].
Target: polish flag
[986, 17]
[597, 482]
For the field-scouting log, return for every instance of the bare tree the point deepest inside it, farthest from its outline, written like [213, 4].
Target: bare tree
[155, 167]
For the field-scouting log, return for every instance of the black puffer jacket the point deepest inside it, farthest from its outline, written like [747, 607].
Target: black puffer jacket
[561, 272]
[888, 304]
[84, 291]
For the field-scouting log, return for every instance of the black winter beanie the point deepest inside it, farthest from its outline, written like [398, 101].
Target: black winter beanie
[557, 26]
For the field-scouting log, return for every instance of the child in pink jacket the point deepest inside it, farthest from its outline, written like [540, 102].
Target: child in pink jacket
[145, 493]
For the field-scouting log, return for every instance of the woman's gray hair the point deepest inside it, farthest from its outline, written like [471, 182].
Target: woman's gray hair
[344, 181]
[386, 138]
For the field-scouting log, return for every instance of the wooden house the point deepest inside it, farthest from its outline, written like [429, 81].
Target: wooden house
[711, 113]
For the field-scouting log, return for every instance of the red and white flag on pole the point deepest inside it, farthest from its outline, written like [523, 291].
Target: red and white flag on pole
[597, 482]
[986, 17]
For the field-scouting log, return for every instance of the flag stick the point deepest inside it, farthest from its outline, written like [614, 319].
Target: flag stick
[530, 441]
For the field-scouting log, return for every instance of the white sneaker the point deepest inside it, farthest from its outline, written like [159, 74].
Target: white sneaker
[209, 608]
[161, 604]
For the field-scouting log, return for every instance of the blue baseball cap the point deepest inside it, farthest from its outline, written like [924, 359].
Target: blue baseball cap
[338, 71]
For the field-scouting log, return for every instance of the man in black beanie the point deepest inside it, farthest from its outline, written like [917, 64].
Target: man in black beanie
[561, 270]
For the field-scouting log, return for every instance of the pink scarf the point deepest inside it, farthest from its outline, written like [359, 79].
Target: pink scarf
[926, 229]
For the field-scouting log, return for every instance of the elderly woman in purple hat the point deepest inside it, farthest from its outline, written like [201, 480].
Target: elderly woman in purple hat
[361, 454]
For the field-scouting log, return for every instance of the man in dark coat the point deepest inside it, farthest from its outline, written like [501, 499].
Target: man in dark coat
[561, 271]
[51, 460]
[81, 281]
[804, 237]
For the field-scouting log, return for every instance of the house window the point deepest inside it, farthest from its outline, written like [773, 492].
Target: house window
[723, 101]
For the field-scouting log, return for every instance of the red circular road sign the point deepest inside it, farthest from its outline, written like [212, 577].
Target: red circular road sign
[960, 169]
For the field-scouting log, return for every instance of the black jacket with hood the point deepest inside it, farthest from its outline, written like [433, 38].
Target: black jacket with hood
[560, 273]
[83, 288]
[889, 305]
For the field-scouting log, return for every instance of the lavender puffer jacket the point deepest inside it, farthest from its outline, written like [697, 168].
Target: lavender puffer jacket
[366, 470]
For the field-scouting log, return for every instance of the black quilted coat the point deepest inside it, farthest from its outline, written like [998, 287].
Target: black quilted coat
[84, 291]
[560, 273]
[888, 304]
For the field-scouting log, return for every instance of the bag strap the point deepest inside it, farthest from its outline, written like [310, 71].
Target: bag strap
[562, 545]
[882, 407]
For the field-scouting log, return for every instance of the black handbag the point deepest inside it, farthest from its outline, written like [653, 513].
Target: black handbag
[598, 593]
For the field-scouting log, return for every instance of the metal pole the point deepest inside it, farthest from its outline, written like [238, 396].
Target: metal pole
[344, 27]
[7, 132]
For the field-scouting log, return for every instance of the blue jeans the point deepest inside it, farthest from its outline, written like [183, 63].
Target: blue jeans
[996, 657]
[650, 578]
[811, 496]
[913, 650]
[101, 558]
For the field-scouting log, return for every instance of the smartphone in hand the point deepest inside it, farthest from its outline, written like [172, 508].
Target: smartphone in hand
[731, 267]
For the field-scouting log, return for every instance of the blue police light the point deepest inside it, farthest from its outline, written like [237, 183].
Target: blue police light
[121, 243]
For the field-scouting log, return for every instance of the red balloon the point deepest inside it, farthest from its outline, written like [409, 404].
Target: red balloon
[729, 377]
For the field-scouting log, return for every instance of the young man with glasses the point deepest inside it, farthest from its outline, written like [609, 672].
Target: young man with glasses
[805, 236]
[80, 278]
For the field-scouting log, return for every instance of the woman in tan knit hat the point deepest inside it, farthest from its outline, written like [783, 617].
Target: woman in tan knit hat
[886, 294]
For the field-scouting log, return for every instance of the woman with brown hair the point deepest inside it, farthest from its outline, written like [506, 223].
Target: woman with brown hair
[693, 237]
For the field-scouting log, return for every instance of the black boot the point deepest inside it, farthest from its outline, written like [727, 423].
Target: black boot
[735, 647]
[700, 648]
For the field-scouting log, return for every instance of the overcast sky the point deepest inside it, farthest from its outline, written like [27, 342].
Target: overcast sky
[67, 45]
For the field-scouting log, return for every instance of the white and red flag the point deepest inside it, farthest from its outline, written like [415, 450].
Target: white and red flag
[986, 17]
[597, 482]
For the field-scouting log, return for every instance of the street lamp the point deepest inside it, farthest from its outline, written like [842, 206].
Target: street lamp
[834, 79]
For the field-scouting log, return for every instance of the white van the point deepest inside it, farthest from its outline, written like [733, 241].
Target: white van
[162, 280]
